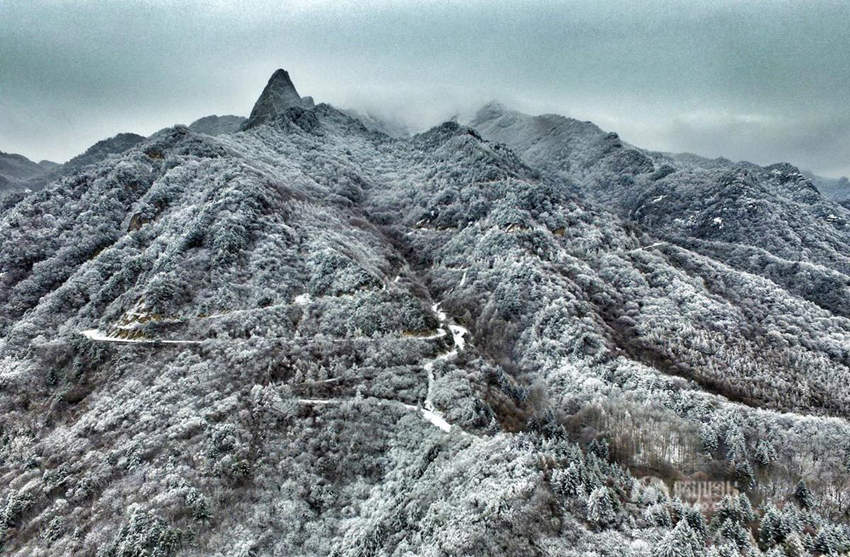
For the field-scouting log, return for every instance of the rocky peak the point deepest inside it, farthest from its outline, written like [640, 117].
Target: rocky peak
[278, 95]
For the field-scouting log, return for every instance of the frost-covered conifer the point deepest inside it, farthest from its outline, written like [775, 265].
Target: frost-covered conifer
[772, 531]
[600, 507]
[682, 541]
[658, 515]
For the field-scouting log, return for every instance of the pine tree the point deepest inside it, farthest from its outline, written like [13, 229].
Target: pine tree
[708, 436]
[682, 541]
[727, 549]
[697, 522]
[729, 509]
[600, 509]
[747, 514]
[765, 453]
[830, 540]
[803, 496]
[734, 532]
[744, 473]
[658, 515]
[794, 546]
[567, 482]
[771, 529]
[792, 520]
[599, 447]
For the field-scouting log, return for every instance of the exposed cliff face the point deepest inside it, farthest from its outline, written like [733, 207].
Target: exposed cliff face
[278, 95]
[310, 338]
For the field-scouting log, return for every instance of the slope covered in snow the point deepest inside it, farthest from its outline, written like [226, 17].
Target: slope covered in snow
[770, 221]
[17, 172]
[217, 125]
[333, 280]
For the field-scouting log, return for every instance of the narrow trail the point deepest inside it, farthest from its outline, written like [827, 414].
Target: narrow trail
[99, 336]
[428, 410]
[458, 333]
[433, 417]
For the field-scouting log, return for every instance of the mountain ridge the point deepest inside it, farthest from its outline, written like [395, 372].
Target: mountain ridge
[276, 367]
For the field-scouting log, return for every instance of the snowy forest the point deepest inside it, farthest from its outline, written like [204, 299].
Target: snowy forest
[307, 333]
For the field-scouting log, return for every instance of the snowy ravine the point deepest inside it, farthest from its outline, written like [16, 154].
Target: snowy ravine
[458, 332]
[224, 341]
[428, 411]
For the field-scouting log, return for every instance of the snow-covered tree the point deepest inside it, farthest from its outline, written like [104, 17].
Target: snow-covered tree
[682, 541]
[600, 507]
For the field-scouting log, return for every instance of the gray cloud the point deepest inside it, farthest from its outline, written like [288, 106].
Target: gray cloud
[761, 80]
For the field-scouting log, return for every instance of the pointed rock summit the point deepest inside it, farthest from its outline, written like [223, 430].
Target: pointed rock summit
[278, 95]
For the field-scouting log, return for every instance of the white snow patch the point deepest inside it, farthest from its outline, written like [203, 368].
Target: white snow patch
[447, 355]
[437, 420]
[640, 545]
[441, 315]
[657, 199]
[717, 221]
[655, 245]
[463, 279]
[429, 368]
[433, 417]
[303, 299]
[320, 401]
[439, 334]
[99, 336]
[95, 334]
[458, 333]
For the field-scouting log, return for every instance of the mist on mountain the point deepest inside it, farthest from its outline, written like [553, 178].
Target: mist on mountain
[299, 334]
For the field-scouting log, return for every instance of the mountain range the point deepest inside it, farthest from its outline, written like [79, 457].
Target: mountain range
[298, 334]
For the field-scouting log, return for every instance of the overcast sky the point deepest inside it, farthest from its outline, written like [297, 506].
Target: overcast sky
[764, 81]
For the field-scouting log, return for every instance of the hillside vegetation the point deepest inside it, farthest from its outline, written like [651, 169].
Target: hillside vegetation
[307, 337]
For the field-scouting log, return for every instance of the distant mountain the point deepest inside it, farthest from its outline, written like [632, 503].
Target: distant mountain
[518, 337]
[18, 166]
[836, 189]
[16, 170]
[101, 150]
[217, 125]
[762, 220]
[379, 124]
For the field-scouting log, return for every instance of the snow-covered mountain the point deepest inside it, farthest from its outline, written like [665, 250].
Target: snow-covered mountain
[217, 125]
[837, 189]
[17, 170]
[307, 337]
[769, 221]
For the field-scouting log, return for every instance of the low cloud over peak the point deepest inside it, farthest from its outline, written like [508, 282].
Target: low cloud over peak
[764, 81]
